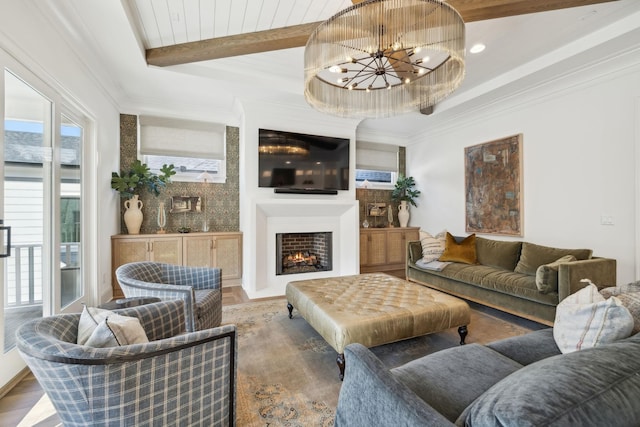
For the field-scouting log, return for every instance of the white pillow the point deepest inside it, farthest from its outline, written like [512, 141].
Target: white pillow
[585, 319]
[116, 331]
[90, 318]
[432, 246]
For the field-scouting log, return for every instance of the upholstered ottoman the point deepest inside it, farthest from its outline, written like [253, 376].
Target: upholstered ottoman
[374, 309]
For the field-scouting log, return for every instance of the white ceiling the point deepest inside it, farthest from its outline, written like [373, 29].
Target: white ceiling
[112, 36]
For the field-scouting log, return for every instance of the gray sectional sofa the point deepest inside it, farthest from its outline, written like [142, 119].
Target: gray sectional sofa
[504, 276]
[520, 381]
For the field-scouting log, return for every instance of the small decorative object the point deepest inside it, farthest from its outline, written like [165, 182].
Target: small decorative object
[365, 184]
[129, 184]
[390, 216]
[403, 193]
[204, 176]
[133, 214]
[180, 204]
[365, 224]
[162, 218]
[403, 214]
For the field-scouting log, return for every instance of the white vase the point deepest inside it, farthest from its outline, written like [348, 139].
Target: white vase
[133, 215]
[403, 213]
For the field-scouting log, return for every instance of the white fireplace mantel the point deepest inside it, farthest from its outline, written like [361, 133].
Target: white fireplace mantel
[272, 216]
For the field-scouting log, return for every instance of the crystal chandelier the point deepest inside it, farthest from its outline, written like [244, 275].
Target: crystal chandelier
[380, 58]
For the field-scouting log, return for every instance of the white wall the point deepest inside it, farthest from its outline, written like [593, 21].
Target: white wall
[30, 38]
[579, 161]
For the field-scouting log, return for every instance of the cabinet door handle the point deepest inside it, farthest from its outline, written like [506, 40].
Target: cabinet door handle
[211, 244]
[150, 246]
[215, 243]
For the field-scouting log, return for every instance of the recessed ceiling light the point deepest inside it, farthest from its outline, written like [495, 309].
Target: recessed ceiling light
[477, 48]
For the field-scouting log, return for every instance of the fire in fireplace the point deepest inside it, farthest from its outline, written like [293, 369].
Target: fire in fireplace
[303, 252]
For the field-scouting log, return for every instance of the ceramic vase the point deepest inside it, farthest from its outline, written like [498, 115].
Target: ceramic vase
[403, 213]
[133, 214]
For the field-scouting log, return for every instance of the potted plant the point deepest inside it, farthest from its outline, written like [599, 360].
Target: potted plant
[129, 183]
[404, 192]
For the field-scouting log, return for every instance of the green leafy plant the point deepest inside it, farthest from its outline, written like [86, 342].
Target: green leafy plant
[404, 190]
[130, 182]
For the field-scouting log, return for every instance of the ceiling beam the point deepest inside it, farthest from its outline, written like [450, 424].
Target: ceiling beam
[297, 35]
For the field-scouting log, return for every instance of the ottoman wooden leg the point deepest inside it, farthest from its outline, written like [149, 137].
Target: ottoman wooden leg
[340, 361]
[290, 308]
[462, 330]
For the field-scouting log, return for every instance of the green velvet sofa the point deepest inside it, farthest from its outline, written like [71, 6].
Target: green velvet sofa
[504, 276]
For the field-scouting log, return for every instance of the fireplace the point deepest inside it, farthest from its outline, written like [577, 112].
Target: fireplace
[303, 252]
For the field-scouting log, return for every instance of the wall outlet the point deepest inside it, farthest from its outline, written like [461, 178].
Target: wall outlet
[606, 220]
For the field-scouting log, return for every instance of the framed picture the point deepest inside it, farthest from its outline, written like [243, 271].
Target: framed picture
[185, 204]
[376, 209]
[493, 187]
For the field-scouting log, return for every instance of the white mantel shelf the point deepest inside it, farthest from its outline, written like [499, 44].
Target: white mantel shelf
[306, 207]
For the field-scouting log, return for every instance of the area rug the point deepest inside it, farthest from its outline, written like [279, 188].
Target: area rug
[287, 373]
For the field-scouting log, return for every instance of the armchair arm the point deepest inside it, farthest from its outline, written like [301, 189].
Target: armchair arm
[370, 395]
[601, 271]
[198, 277]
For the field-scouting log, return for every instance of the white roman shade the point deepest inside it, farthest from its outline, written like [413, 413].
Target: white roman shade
[375, 156]
[162, 136]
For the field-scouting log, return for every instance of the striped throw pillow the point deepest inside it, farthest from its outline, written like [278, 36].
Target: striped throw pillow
[432, 246]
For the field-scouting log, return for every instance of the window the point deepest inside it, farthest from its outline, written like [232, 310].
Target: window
[192, 147]
[188, 168]
[376, 163]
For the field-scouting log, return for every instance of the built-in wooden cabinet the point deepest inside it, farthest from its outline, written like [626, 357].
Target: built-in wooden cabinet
[222, 250]
[385, 249]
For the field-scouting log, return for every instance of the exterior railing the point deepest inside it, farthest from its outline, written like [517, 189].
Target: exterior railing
[23, 272]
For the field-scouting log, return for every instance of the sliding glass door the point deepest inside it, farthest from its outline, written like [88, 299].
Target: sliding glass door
[41, 209]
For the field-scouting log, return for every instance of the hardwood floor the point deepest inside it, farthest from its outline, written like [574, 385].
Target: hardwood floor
[17, 406]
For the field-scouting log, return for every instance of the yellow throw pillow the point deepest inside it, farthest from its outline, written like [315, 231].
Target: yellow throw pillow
[464, 252]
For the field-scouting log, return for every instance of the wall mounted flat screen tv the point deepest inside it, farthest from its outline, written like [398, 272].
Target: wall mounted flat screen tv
[288, 160]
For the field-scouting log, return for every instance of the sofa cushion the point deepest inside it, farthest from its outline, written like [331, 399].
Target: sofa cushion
[432, 246]
[591, 387]
[528, 348]
[449, 380]
[547, 274]
[533, 256]
[586, 319]
[464, 251]
[498, 253]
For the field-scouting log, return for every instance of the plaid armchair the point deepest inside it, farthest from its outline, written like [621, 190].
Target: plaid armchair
[187, 379]
[199, 287]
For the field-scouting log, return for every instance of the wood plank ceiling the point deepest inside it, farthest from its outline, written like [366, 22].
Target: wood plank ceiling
[182, 31]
